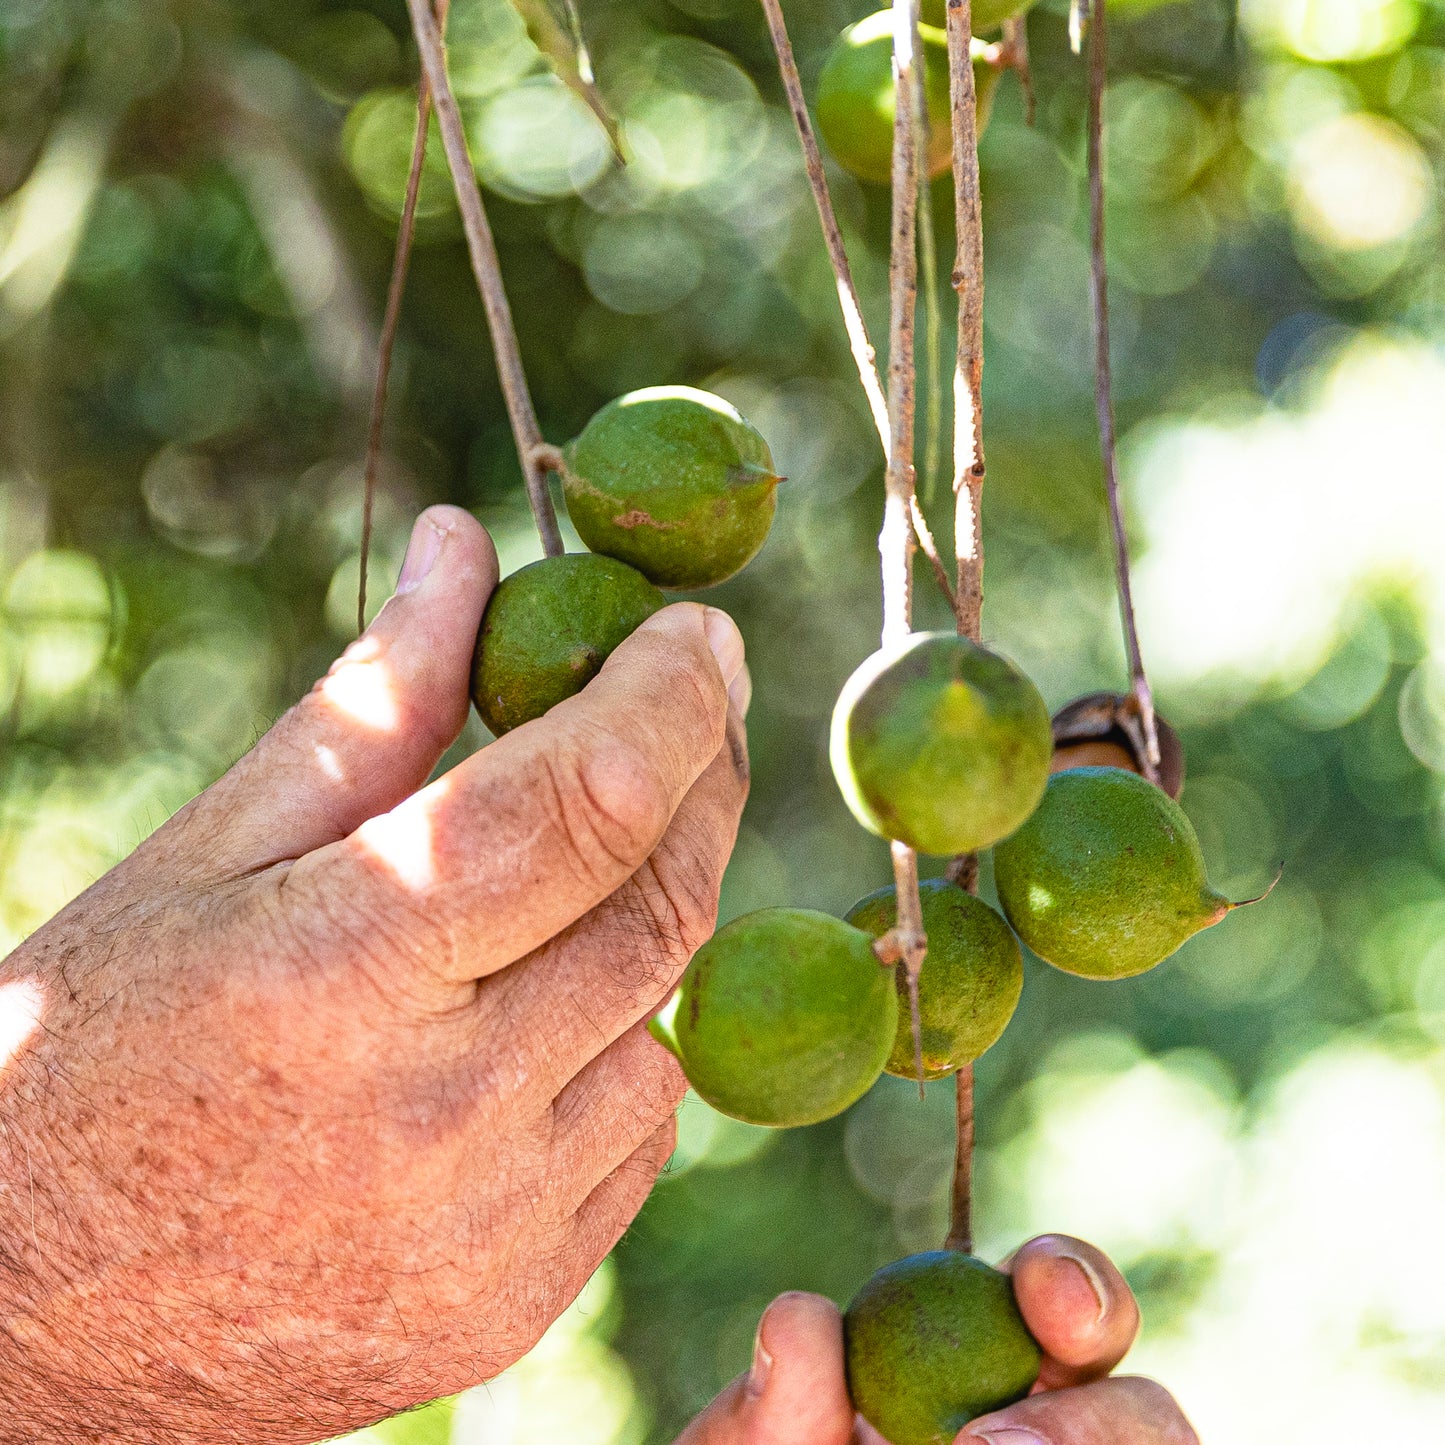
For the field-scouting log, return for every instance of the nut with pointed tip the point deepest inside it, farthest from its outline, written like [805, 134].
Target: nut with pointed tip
[674, 482]
[1106, 879]
[1104, 730]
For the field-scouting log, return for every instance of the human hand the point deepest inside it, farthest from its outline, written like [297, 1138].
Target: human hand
[330, 1097]
[1075, 1302]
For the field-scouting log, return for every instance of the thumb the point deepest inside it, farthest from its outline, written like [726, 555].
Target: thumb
[371, 731]
[795, 1393]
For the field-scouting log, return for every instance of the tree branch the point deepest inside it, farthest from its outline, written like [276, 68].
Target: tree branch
[895, 542]
[858, 343]
[968, 477]
[864, 355]
[960, 1230]
[486, 267]
[1104, 387]
[391, 319]
[968, 462]
[896, 539]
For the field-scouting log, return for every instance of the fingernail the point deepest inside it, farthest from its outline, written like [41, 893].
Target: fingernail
[1091, 1277]
[1006, 1435]
[421, 554]
[740, 691]
[762, 1365]
[726, 642]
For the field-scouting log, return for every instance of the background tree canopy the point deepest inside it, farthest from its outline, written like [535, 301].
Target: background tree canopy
[200, 202]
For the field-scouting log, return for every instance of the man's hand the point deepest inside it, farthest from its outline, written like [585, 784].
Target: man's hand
[330, 1097]
[1080, 1311]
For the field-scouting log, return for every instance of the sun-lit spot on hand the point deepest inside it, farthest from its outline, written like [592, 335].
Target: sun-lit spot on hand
[330, 764]
[403, 839]
[22, 1002]
[362, 687]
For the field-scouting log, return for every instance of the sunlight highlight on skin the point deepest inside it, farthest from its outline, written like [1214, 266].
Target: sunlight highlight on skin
[22, 1003]
[329, 763]
[403, 839]
[361, 686]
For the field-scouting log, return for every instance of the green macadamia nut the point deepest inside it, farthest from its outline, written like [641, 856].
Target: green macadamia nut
[674, 482]
[785, 1017]
[548, 629]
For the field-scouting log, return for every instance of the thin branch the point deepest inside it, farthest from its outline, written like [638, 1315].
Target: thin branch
[859, 343]
[896, 539]
[487, 269]
[391, 320]
[932, 330]
[1015, 56]
[968, 477]
[930, 550]
[963, 870]
[960, 1232]
[864, 356]
[1104, 387]
[968, 462]
[911, 941]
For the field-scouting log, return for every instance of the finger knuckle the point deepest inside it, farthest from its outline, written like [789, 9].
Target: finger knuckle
[609, 804]
[674, 912]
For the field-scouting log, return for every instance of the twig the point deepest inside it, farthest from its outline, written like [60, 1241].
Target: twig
[960, 1231]
[910, 939]
[930, 550]
[963, 870]
[400, 263]
[1104, 387]
[968, 477]
[1016, 57]
[932, 328]
[968, 462]
[864, 356]
[896, 539]
[487, 268]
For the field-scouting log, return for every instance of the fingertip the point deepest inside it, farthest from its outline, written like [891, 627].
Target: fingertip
[740, 691]
[1075, 1302]
[725, 642]
[476, 553]
[796, 1382]
[694, 622]
[802, 1327]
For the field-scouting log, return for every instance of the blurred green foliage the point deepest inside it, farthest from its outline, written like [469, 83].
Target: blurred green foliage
[199, 205]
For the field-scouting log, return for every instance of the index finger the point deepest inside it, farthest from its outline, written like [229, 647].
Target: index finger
[537, 828]
[1077, 1306]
